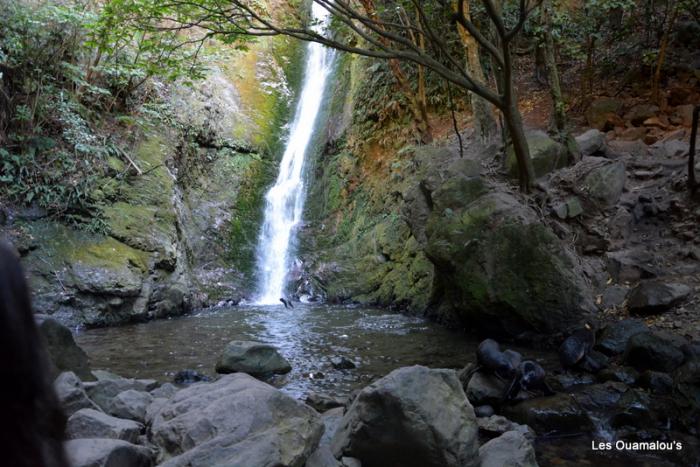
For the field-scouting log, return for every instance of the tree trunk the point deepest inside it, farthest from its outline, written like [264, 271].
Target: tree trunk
[559, 119]
[662, 55]
[484, 119]
[514, 122]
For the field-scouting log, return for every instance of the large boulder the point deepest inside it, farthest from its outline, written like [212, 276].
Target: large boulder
[254, 358]
[71, 394]
[103, 452]
[89, 423]
[546, 154]
[64, 353]
[414, 416]
[236, 420]
[511, 449]
[501, 267]
[599, 180]
[130, 404]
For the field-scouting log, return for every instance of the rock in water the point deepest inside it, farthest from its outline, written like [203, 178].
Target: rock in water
[414, 416]
[89, 423]
[254, 358]
[236, 420]
[511, 449]
[104, 452]
[64, 353]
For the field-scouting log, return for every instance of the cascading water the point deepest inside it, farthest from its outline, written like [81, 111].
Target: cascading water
[284, 202]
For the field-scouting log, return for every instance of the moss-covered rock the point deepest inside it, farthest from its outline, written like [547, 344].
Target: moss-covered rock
[546, 154]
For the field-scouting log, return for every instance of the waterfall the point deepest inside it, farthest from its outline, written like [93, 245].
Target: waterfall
[284, 202]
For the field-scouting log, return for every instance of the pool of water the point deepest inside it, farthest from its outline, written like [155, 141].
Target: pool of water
[377, 341]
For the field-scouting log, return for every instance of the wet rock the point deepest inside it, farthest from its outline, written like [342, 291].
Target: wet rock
[620, 374]
[103, 391]
[390, 417]
[613, 339]
[613, 297]
[546, 154]
[483, 411]
[189, 377]
[600, 397]
[496, 425]
[324, 402]
[465, 374]
[648, 351]
[103, 452]
[654, 296]
[486, 389]
[64, 353]
[657, 382]
[559, 413]
[633, 410]
[602, 112]
[591, 143]
[89, 423]
[567, 379]
[130, 404]
[511, 449]
[166, 391]
[71, 393]
[254, 358]
[236, 420]
[342, 363]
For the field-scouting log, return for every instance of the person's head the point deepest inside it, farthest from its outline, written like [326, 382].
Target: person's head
[32, 428]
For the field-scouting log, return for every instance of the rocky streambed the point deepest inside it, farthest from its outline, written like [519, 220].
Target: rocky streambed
[366, 387]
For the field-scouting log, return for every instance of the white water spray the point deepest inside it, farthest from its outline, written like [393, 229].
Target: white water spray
[284, 202]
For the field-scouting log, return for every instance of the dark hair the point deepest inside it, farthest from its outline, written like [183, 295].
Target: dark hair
[33, 424]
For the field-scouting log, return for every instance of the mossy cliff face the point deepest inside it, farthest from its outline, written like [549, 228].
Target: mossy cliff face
[421, 229]
[181, 233]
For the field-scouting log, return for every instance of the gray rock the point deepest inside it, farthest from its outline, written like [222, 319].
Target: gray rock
[71, 394]
[496, 425]
[389, 419]
[630, 265]
[103, 391]
[591, 143]
[153, 409]
[350, 462]
[254, 358]
[569, 209]
[64, 353]
[640, 112]
[618, 374]
[613, 339]
[89, 423]
[654, 296]
[103, 452]
[323, 456]
[130, 404]
[648, 351]
[511, 449]
[166, 391]
[236, 420]
[604, 180]
[602, 112]
[485, 389]
[483, 411]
